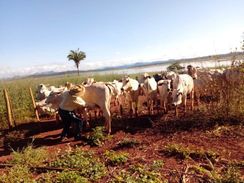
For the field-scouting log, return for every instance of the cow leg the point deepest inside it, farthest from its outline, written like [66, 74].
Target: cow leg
[176, 111]
[192, 100]
[131, 110]
[149, 107]
[136, 108]
[184, 102]
[107, 115]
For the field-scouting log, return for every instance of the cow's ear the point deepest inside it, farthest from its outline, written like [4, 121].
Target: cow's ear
[180, 93]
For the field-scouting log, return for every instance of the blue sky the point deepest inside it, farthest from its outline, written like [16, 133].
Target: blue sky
[36, 35]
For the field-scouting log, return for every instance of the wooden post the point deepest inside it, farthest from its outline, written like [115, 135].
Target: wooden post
[9, 114]
[34, 105]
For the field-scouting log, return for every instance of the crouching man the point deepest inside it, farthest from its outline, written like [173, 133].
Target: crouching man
[67, 113]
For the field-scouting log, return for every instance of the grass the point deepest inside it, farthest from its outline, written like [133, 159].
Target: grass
[97, 137]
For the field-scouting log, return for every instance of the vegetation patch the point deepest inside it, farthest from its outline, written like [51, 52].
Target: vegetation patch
[97, 137]
[86, 164]
[29, 156]
[138, 173]
[116, 158]
[126, 143]
[224, 175]
[17, 174]
[181, 152]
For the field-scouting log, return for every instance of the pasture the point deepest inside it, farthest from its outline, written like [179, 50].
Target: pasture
[203, 145]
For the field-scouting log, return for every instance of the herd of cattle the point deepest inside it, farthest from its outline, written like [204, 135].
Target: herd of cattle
[170, 88]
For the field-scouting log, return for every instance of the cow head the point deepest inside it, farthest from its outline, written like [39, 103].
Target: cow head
[126, 84]
[192, 71]
[177, 97]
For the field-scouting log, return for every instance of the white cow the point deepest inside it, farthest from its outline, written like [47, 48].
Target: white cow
[184, 85]
[89, 81]
[115, 87]
[131, 87]
[97, 94]
[203, 81]
[44, 91]
[149, 88]
[164, 89]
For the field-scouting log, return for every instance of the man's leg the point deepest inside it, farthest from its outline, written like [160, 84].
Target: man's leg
[78, 125]
[66, 122]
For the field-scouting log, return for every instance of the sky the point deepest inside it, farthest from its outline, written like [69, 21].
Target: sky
[37, 35]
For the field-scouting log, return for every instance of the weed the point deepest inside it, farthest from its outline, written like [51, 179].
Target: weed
[70, 176]
[138, 173]
[177, 151]
[17, 174]
[29, 156]
[127, 143]
[157, 164]
[183, 153]
[116, 158]
[88, 165]
[97, 137]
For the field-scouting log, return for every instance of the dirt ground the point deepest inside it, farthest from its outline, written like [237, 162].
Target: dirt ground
[152, 132]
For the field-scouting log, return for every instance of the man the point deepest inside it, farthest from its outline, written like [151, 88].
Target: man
[66, 111]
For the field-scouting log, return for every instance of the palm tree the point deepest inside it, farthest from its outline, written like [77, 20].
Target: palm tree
[76, 56]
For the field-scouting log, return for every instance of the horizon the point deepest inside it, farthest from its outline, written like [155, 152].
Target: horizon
[37, 36]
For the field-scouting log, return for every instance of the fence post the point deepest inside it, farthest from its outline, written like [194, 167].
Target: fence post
[9, 113]
[34, 105]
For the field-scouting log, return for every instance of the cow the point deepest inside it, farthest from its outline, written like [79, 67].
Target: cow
[203, 81]
[88, 81]
[115, 87]
[97, 94]
[131, 87]
[164, 89]
[149, 88]
[183, 85]
[44, 91]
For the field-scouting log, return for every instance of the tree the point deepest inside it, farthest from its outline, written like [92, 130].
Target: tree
[176, 67]
[76, 56]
